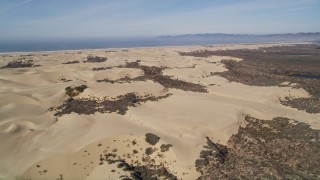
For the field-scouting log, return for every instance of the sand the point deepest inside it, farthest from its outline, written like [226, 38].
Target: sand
[36, 144]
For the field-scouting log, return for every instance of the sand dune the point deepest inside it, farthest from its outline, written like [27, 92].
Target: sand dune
[36, 144]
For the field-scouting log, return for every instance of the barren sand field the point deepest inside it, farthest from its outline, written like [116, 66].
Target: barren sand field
[138, 113]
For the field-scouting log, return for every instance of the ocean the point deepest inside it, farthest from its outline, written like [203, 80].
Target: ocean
[59, 45]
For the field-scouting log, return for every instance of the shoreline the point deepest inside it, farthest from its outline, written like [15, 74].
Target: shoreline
[150, 47]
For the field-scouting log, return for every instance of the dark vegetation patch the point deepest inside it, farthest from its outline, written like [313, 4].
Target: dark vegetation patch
[264, 149]
[104, 105]
[65, 80]
[165, 147]
[140, 172]
[168, 82]
[20, 63]
[312, 103]
[72, 62]
[95, 59]
[272, 66]
[155, 74]
[75, 90]
[26, 55]
[152, 138]
[120, 81]
[150, 150]
[101, 68]
[135, 168]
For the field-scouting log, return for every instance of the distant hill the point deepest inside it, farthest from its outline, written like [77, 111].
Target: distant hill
[244, 38]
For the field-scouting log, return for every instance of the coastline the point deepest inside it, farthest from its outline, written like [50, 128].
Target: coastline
[147, 47]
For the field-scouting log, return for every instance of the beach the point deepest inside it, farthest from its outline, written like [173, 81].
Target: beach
[111, 114]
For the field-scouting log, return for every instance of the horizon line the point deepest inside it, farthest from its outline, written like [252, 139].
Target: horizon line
[137, 37]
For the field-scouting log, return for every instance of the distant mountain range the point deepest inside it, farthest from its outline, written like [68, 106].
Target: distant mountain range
[217, 37]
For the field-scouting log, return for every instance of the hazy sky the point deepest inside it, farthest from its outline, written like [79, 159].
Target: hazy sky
[130, 18]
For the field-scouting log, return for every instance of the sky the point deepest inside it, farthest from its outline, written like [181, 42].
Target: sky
[23, 19]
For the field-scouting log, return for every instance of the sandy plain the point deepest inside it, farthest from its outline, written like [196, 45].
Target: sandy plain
[37, 144]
